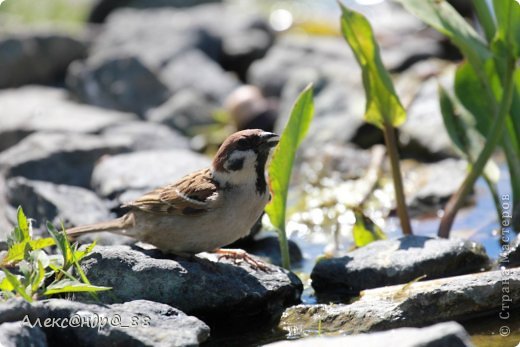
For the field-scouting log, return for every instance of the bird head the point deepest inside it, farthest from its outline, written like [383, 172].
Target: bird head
[242, 158]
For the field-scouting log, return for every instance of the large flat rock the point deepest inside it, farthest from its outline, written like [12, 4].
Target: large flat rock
[32, 109]
[62, 158]
[413, 305]
[134, 323]
[221, 293]
[387, 262]
[443, 334]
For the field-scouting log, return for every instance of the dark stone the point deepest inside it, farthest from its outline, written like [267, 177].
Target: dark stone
[208, 79]
[19, 335]
[102, 8]
[37, 57]
[120, 82]
[34, 109]
[269, 247]
[185, 111]
[223, 294]
[134, 323]
[44, 201]
[58, 158]
[450, 334]
[388, 262]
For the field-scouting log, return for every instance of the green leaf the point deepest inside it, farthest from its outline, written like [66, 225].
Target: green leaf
[507, 13]
[6, 285]
[17, 251]
[17, 285]
[39, 276]
[365, 230]
[444, 18]
[69, 286]
[283, 159]
[62, 243]
[23, 224]
[383, 105]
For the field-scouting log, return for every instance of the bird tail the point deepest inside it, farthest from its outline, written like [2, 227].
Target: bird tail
[115, 225]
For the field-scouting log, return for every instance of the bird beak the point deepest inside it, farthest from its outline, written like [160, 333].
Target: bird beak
[270, 140]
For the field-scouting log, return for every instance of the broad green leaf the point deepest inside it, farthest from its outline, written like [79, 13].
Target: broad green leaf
[17, 285]
[474, 97]
[283, 159]
[444, 18]
[69, 286]
[485, 17]
[23, 224]
[6, 285]
[460, 126]
[507, 13]
[16, 252]
[383, 105]
[365, 230]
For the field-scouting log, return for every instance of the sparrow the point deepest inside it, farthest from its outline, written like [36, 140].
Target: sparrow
[204, 210]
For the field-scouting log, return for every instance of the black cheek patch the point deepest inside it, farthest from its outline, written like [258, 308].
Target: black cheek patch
[236, 164]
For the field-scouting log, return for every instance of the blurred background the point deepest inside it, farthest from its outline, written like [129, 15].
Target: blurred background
[103, 100]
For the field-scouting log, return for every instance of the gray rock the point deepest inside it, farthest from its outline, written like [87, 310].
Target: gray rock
[44, 201]
[136, 173]
[434, 184]
[19, 335]
[134, 323]
[154, 36]
[102, 8]
[220, 293]
[184, 111]
[37, 57]
[387, 262]
[510, 257]
[423, 135]
[269, 248]
[34, 108]
[443, 334]
[146, 136]
[118, 81]
[58, 158]
[412, 305]
[208, 78]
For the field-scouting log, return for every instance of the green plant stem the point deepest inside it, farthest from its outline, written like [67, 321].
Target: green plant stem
[456, 201]
[284, 249]
[391, 145]
[485, 18]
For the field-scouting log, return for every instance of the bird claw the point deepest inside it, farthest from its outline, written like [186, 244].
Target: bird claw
[240, 255]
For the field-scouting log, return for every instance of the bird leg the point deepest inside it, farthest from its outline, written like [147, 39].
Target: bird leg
[239, 254]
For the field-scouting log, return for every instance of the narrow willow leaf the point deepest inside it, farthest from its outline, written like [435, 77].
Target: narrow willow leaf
[16, 252]
[444, 18]
[62, 243]
[38, 278]
[69, 286]
[283, 159]
[23, 224]
[383, 104]
[17, 285]
[365, 230]
[6, 285]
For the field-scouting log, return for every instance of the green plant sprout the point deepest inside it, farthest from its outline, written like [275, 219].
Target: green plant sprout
[487, 86]
[383, 107]
[34, 273]
[282, 163]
